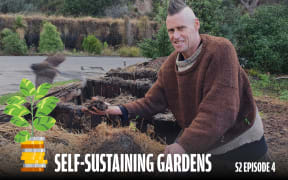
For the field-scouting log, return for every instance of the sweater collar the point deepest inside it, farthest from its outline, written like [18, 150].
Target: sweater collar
[183, 64]
[204, 40]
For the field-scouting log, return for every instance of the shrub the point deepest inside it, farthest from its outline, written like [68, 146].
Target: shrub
[5, 32]
[108, 51]
[50, 40]
[284, 95]
[207, 12]
[19, 26]
[263, 39]
[264, 80]
[159, 46]
[19, 22]
[92, 45]
[16, 6]
[129, 51]
[12, 44]
[105, 45]
[254, 73]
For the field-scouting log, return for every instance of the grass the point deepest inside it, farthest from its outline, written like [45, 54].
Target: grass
[61, 83]
[5, 97]
[284, 95]
[267, 85]
[108, 51]
[63, 19]
[126, 51]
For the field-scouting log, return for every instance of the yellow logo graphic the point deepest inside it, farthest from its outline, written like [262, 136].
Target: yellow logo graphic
[33, 153]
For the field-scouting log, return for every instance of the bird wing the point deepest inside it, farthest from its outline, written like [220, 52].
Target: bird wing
[55, 60]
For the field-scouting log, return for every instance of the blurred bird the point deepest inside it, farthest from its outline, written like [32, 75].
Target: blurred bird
[46, 70]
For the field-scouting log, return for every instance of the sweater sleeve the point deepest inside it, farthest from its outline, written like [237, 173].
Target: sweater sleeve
[220, 104]
[153, 102]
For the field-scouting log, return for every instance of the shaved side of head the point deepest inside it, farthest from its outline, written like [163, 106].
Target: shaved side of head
[175, 6]
[187, 14]
[180, 7]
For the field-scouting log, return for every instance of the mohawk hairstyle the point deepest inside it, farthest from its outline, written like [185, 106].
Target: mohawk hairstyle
[175, 6]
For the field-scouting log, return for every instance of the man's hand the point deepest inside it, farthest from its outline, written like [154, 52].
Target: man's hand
[111, 110]
[174, 149]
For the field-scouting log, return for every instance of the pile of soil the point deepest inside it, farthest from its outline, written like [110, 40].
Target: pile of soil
[121, 99]
[153, 65]
[102, 139]
[145, 71]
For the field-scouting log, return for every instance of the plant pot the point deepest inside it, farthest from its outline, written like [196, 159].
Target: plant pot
[33, 153]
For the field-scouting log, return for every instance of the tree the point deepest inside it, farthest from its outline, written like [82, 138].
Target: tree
[85, 8]
[16, 6]
[12, 44]
[50, 40]
[160, 44]
[263, 39]
[92, 45]
[250, 5]
[20, 26]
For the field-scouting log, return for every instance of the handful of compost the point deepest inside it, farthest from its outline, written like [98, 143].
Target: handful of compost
[98, 104]
[95, 106]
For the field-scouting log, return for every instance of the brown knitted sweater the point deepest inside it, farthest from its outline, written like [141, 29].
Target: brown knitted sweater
[211, 100]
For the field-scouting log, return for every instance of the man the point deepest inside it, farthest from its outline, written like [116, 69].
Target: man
[208, 92]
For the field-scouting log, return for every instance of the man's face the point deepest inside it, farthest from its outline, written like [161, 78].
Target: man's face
[183, 32]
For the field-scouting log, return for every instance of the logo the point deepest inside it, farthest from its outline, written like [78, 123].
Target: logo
[33, 150]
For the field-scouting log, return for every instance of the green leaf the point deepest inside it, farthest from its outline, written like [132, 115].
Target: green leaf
[46, 106]
[22, 136]
[19, 121]
[247, 121]
[27, 88]
[42, 90]
[132, 126]
[44, 123]
[16, 110]
[16, 100]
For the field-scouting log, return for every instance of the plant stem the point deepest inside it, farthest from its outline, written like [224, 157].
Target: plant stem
[32, 117]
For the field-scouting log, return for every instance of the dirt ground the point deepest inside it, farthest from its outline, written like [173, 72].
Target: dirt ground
[102, 139]
[274, 115]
